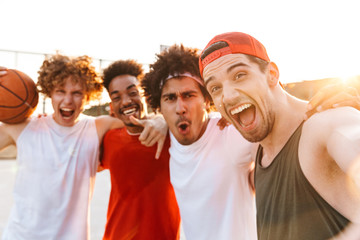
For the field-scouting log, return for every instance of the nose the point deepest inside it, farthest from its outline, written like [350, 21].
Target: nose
[68, 98]
[125, 100]
[229, 94]
[180, 106]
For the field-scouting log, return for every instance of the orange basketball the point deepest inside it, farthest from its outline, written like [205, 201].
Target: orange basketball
[18, 97]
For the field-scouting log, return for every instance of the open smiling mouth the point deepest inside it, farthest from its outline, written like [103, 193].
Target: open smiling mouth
[66, 112]
[129, 110]
[244, 114]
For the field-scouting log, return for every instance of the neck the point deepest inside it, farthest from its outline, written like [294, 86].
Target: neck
[134, 129]
[289, 113]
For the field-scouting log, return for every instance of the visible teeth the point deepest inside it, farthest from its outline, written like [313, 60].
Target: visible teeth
[129, 111]
[66, 109]
[240, 108]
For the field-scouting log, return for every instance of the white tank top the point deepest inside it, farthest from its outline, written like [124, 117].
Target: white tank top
[55, 180]
[211, 183]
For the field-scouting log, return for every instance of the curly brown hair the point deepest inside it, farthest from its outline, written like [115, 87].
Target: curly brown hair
[177, 59]
[55, 70]
[121, 67]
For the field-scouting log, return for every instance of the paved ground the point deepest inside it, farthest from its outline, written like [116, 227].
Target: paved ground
[98, 205]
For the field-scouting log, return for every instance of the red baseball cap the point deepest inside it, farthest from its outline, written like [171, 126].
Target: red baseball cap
[230, 43]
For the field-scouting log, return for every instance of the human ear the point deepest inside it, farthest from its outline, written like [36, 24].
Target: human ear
[111, 112]
[274, 74]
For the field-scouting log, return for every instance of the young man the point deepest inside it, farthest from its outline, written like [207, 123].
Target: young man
[142, 201]
[209, 168]
[57, 155]
[303, 180]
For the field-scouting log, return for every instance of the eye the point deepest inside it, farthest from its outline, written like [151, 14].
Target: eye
[78, 94]
[169, 98]
[133, 93]
[115, 99]
[239, 75]
[189, 95]
[214, 89]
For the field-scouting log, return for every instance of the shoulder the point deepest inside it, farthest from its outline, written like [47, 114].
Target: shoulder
[329, 133]
[334, 115]
[106, 120]
[325, 122]
[229, 135]
[114, 133]
[105, 123]
[236, 146]
[236, 139]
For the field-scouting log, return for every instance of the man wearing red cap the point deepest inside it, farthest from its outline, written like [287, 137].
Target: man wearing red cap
[305, 174]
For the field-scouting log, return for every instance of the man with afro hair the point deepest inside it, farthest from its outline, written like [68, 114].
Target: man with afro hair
[209, 167]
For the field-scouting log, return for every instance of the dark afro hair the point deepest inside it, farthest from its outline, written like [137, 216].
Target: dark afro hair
[121, 67]
[177, 59]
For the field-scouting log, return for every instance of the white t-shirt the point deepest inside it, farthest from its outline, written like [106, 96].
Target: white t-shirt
[55, 180]
[211, 182]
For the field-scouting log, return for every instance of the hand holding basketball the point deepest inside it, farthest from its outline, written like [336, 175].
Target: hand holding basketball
[18, 96]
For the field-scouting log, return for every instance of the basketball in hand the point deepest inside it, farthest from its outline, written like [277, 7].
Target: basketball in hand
[18, 97]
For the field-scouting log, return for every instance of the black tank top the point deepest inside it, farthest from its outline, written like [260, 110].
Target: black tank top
[288, 207]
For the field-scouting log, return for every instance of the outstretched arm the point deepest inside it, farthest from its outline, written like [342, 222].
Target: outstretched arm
[155, 129]
[341, 140]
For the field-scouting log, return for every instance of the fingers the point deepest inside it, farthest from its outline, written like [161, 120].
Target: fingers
[40, 115]
[160, 147]
[331, 96]
[324, 94]
[144, 135]
[3, 71]
[339, 100]
[151, 139]
[355, 103]
[155, 131]
[136, 121]
[222, 123]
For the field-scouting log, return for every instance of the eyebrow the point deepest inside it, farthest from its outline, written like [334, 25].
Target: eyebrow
[235, 66]
[208, 80]
[129, 87]
[181, 94]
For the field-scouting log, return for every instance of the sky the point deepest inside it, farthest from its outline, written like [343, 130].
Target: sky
[307, 39]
